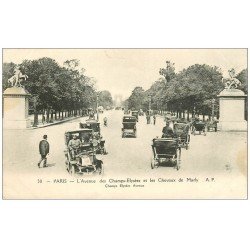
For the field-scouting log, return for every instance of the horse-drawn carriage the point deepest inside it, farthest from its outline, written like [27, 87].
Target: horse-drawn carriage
[81, 159]
[212, 125]
[165, 151]
[181, 131]
[129, 126]
[199, 126]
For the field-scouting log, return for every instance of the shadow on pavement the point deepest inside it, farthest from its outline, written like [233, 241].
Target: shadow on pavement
[50, 165]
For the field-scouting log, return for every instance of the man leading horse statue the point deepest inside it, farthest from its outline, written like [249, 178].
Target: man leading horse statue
[17, 78]
[232, 82]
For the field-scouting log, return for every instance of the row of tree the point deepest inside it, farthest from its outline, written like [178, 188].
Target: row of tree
[57, 91]
[193, 91]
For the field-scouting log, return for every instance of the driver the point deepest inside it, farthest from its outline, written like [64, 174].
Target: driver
[74, 145]
[91, 115]
[197, 118]
[167, 131]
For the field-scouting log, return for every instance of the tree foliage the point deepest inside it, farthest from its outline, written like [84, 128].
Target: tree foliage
[105, 99]
[193, 90]
[242, 77]
[137, 99]
[56, 87]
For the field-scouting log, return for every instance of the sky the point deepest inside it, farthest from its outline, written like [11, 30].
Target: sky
[121, 70]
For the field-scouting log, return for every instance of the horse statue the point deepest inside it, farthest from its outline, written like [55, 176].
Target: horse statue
[17, 78]
[232, 82]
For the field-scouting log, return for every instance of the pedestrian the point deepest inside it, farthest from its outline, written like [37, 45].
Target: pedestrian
[154, 117]
[44, 151]
[43, 118]
[148, 119]
[105, 121]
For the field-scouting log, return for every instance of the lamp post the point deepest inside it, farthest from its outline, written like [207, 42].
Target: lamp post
[97, 112]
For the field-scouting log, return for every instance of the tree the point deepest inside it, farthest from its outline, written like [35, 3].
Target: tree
[242, 77]
[8, 72]
[105, 99]
[54, 88]
[194, 85]
[41, 83]
[137, 98]
[191, 90]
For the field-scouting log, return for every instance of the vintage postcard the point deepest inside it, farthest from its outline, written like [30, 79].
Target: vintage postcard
[124, 123]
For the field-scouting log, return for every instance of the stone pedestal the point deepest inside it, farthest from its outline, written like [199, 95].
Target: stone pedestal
[15, 108]
[232, 110]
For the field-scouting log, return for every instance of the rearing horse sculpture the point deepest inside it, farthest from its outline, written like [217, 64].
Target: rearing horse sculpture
[17, 78]
[232, 82]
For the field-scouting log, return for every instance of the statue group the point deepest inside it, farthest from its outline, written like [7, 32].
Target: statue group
[17, 78]
[232, 82]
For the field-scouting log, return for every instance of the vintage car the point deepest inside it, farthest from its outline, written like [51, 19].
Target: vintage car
[98, 141]
[129, 126]
[81, 160]
[199, 126]
[212, 125]
[165, 151]
[91, 124]
[135, 114]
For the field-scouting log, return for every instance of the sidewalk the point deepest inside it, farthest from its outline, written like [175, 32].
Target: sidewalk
[40, 125]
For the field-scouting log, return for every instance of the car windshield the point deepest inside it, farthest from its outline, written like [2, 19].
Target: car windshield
[94, 126]
[129, 119]
[129, 125]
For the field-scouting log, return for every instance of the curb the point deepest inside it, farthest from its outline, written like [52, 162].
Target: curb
[56, 123]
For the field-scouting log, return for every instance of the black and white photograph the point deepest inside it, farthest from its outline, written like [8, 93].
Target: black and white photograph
[125, 123]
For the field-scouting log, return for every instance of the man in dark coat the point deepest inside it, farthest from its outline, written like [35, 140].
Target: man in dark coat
[43, 150]
[167, 131]
[154, 118]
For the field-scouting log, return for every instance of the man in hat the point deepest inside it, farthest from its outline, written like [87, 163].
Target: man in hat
[167, 131]
[74, 145]
[43, 150]
[154, 118]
